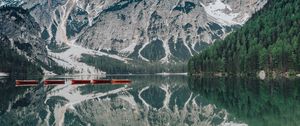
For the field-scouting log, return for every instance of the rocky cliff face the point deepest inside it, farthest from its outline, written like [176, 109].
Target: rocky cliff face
[22, 33]
[149, 30]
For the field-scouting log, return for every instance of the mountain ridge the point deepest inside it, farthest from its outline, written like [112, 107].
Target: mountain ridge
[269, 42]
[134, 30]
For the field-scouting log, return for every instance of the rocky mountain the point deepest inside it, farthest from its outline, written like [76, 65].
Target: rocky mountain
[133, 30]
[268, 43]
[23, 51]
[20, 43]
[23, 32]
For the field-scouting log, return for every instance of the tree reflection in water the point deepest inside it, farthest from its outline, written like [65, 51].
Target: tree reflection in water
[253, 101]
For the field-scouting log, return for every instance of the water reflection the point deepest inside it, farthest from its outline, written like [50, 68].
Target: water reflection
[153, 100]
[253, 101]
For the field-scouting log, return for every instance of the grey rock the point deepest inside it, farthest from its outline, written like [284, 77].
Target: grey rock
[23, 32]
[131, 28]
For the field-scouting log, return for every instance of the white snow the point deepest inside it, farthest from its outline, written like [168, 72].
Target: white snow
[185, 44]
[90, 18]
[65, 10]
[74, 96]
[187, 102]
[140, 55]
[2, 74]
[167, 96]
[141, 98]
[9, 107]
[59, 115]
[46, 72]
[93, 13]
[130, 99]
[129, 49]
[47, 116]
[18, 2]
[2, 3]
[262, 75]
[71, 57]
[194, 103]
[216, 10]
[145, 104]
[167, 52]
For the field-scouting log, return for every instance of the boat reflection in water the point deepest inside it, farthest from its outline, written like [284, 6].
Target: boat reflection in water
[54, 82]
[73, 82]
[102, 81]
[80, 82]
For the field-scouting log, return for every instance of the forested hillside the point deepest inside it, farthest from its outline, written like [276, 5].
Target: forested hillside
[269, 41]
[22, 49]
[113, 66]
[14, 63]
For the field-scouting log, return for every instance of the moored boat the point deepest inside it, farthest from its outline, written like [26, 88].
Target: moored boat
[104, 81]
[26, 82]
[54, 82]
[81, 81]
[114, 81]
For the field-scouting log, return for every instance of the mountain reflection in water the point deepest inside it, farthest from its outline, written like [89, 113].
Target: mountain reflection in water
[154, 100]
[253, 101]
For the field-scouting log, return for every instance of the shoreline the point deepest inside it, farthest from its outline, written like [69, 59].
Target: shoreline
[260, 74]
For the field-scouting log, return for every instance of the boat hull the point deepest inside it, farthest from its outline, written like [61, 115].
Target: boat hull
[26, 82]
[101, 81]
[54, 82]
[81, 82]
[120, 81]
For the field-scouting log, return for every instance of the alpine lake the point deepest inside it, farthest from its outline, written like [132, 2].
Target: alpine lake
[156, 100]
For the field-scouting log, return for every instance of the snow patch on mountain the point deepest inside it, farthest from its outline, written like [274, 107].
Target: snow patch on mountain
[11, 3]
[129, 49]
[167, 53]
[2, 74]
[139, 53]
[2, 3]
[71, 59]
[167, 97]
[61, 34]
[218, 9]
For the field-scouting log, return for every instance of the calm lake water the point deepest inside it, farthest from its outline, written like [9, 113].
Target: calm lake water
[154, 100]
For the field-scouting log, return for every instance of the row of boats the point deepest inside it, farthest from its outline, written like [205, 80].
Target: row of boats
[73, 82]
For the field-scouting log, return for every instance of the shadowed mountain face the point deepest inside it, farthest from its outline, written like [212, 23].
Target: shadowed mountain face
[156, 100]
[148, 30]
[19, 30]
[23, 51]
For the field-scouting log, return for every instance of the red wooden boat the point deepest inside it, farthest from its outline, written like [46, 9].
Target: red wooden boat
[54, 82]
[120, 81]
[81, 81]
[26, 82]
[101, 81]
